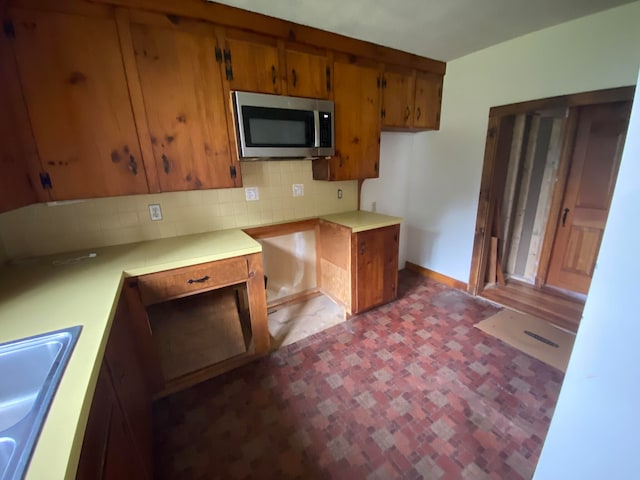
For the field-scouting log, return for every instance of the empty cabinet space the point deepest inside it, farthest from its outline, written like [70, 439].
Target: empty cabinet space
[198, 331]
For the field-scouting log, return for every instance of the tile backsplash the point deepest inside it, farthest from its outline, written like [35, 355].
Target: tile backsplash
[51, 228]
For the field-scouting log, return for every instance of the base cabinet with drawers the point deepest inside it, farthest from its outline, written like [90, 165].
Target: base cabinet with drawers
[358, 269]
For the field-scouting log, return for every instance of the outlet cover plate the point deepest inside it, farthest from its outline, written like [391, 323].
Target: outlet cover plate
[251, 194]
[155, 212]
[298, 189]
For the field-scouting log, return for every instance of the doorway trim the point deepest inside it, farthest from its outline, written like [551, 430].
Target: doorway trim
[496, 157]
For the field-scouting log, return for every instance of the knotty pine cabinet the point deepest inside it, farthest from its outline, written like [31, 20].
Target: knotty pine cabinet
[118, 438]
[308, 73]
[428, 100]
[252, 63]
[357, 118]
[358, 269]
[184, 103]
[411, 100]
[75, 88]
[19, 155]
[398, 93]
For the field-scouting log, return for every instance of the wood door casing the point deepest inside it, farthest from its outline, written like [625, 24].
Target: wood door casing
[594, 166]
[255, 65]
[428, 98]
[357, 120]
[183, 97]
[76, 91]
[398, 99]
[308, 74]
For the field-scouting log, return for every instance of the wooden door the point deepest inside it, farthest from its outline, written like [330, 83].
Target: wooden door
[391, 249]
[308, 74]
[76, 93]
[370, 279]
[398, 91]
[252, 63]
[185, 106]
[130, 384]
[428, 98]
[594, 167]
[357, 121]
[19, 162]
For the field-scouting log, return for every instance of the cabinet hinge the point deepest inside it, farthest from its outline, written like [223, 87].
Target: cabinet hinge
[9, 30]
[232, 171]
[45, 181]
[228, 69]
[378, 82]
[229, 73]
[440, 92]
[383, 113]
[384, 82]
[227, 55]
[218, 55]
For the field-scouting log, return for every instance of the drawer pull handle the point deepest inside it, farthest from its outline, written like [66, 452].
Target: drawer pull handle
[198, 280]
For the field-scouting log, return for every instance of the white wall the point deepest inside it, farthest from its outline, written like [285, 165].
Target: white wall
[595, 52]
[390, 192]
[594, 431]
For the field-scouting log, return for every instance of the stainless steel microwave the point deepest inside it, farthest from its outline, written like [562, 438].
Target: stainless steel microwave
[275, 126]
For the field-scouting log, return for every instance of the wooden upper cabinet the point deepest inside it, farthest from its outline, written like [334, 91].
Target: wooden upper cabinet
[18, 152]
[308, 74]
[184, 103]
[398, 90]
[251, 63]
[76, 92]
[427, 102]
[357, 124]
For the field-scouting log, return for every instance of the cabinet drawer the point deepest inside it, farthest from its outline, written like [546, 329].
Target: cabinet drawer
[161, 286]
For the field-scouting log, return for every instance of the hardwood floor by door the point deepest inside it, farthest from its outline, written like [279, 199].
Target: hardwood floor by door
[408, 390]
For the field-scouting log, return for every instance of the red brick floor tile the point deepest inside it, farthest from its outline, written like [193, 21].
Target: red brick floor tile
[410, 390]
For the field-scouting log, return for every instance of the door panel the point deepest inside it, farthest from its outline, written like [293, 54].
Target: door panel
[308, 75]
[78, 101]
[594, 167]
[398, 92]
[255, 66]
[184, 101]
[357, 120]
[370, 264]
[428, 100]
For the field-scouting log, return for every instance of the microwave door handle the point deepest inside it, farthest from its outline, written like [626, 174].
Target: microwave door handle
[316, 128]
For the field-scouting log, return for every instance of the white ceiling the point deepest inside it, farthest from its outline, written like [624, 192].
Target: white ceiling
[440, 29]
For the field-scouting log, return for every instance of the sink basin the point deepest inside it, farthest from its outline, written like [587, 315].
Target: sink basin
[30, 371]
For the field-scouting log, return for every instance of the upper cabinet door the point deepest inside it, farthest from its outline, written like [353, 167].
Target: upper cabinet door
[308, 74]
[18, 155]
[357, 121]
[428, 100]
[398, 93]
[184, 102]
[252, 63]
[78, 102]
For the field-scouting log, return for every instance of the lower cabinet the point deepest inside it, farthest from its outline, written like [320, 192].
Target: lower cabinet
[118, 438]
[358, 269]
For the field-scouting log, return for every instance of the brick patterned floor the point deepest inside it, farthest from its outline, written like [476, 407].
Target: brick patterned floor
[410, 390]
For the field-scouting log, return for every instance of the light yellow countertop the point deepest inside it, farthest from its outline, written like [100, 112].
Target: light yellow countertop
[359, 221]
[38, 297]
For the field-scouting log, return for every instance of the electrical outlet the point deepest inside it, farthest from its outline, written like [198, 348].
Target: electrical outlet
[339, 194]
[155, 212]
[251, 194]
[298, 190]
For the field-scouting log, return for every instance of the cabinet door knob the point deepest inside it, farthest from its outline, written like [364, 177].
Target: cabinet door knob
[407, 113]
[273, 74]
[133, 166]
[418, 113]
[165, 164]
[295, 77]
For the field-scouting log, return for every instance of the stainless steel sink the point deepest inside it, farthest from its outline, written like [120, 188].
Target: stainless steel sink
[30, 371]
